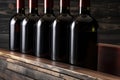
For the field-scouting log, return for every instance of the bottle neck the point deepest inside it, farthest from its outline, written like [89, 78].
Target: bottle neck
[33, 6]
[84, 6]
[65, 6]
[48, 6]
[20, 6]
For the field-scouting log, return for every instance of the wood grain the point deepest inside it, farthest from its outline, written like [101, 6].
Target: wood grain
[31, 67]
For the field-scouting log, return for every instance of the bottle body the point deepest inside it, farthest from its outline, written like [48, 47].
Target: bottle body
[28, 29]
[83, 46]
[61, 38]
[43, 36]
[43, 31]
[15, 27]
[28, 34]
[61, 33]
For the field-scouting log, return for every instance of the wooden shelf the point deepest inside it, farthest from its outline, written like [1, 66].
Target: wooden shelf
[17, 66]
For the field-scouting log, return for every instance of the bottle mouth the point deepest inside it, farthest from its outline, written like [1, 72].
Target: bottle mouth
[84, 3]
[20, 4]
[33, 4]
[64, 5]
[48, 5]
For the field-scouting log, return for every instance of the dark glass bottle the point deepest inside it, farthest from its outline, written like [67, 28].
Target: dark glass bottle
[43, 31]
[14, 26]
[83, 48]
[28, 28]
[61, 33]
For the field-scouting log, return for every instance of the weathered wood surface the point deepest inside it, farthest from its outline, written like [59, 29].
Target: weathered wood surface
[17, 66]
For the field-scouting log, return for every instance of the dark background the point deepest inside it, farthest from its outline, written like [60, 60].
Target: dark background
[106, 12]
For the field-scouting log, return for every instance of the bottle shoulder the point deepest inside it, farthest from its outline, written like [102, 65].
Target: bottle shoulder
[45, 20]
[65, 17]
[85, 23]
[84, 18]
[18, 17]
[48, 17]
[31, 17]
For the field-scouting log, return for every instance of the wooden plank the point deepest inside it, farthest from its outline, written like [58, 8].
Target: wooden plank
[31, 73]
[2, 75]
[2, 79]
[47, 64]
[35, 68]
[3, 65]
[60, 69]
[10, 75]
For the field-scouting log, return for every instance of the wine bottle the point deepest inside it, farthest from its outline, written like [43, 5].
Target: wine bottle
[15, 25]
[28, 28]
[61, 33]
[83, 45]
[43, 31]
